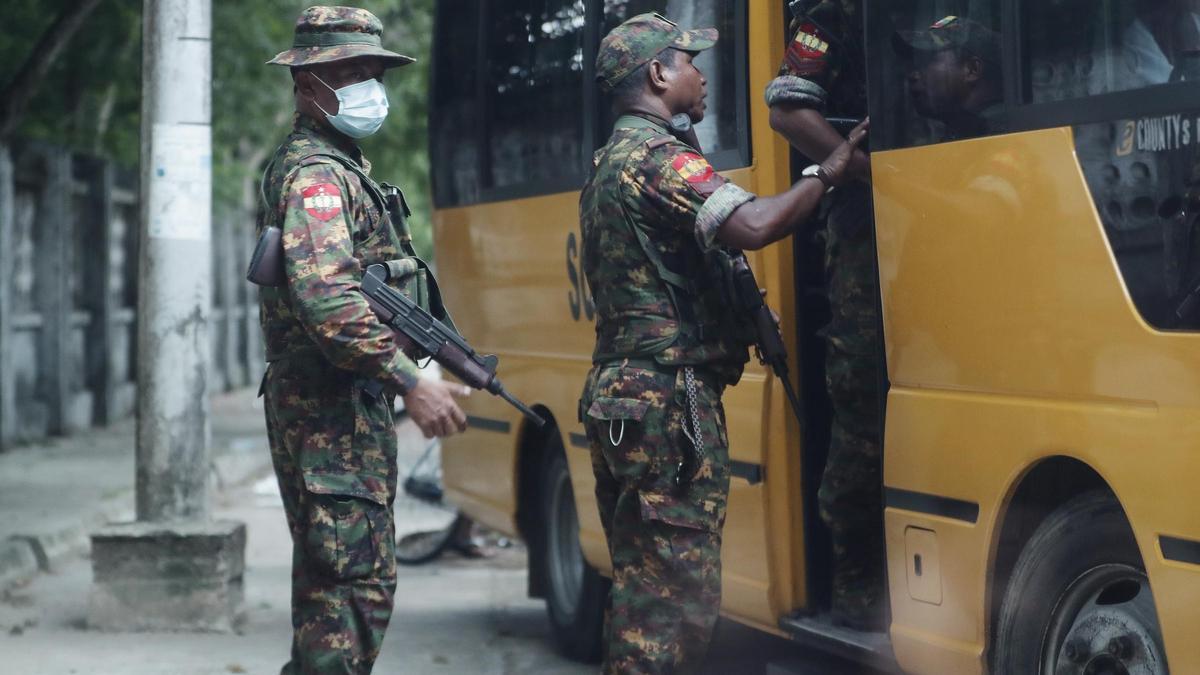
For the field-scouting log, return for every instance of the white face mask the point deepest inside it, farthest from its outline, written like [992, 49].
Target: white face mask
[362, 107]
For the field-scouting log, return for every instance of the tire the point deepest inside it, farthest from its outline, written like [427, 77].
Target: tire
[1079, 600]
[575, 593]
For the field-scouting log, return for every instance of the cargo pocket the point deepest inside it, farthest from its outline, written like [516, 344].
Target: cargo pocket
[617, 426]
[705, 512]
[348, 532]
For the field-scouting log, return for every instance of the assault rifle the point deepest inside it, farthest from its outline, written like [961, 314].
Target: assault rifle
[770, 347]
[419, 330]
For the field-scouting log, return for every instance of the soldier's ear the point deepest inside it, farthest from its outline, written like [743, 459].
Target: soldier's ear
[659, 75]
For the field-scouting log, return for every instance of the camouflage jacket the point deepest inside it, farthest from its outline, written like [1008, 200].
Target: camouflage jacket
[824, 66]
[332, 229]
[649, 213]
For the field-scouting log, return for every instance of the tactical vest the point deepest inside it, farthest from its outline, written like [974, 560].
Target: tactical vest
[680, 316]
[407, 272]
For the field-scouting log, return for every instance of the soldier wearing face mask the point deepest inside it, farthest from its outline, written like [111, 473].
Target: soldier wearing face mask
[334, 369]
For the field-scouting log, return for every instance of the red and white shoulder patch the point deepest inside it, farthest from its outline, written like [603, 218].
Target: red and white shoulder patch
[809, 42]
[698, 173]
[807, 52]
[322, 201]
[692, 167]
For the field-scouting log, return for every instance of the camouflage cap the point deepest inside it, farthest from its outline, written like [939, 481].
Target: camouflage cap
[952, 32]
[639, 40]
[326, 34]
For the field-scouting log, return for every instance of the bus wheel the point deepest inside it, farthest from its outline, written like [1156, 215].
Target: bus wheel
[576, 593]
[1079, 601]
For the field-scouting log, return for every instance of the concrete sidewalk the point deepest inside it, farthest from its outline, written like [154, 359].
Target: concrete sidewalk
[53, 494]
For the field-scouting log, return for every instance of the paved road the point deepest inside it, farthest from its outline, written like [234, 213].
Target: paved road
[452, 616]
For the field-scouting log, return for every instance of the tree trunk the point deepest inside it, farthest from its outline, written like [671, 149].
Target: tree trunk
[17, 93]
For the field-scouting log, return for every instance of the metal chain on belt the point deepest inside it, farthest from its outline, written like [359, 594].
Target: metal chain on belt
[689, 380]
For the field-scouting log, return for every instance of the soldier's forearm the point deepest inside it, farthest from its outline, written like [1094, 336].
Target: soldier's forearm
[768, 219]
[807, 130]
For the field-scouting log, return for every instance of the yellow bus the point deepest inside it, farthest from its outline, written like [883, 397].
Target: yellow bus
[1040, 287]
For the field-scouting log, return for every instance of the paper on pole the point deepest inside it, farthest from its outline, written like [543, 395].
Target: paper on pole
[180, 198]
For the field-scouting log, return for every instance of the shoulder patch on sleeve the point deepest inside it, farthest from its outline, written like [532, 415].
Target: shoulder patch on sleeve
[807, 51]
[322, 200]
[697, 172]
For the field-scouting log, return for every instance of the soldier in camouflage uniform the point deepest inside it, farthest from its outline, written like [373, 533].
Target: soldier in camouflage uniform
[334, 369]
[655, 216]
[823, 75]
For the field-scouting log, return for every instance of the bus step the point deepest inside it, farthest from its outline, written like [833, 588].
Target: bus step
[818, 632]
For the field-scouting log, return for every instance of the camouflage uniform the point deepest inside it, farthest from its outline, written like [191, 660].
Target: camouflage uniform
[334, 372]
[649, 213]
[823, 68]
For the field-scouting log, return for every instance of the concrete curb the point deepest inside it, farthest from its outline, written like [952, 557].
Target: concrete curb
[44, 546]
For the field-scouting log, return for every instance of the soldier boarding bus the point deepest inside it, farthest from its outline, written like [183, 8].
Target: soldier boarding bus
[1039, 272]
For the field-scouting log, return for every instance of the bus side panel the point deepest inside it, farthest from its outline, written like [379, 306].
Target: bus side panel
[503, 272]
[1011, 338]
[511, 275]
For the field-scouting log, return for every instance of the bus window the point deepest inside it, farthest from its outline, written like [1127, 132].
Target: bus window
[723, 134]
[1081, 48]
[1141, 170]
[924, 47]
[535, 78]
[454, 137]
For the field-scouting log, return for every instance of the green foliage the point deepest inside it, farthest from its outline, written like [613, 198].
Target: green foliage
[91, 98]
[253, 104]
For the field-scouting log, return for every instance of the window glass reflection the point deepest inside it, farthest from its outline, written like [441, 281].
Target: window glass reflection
[1080, 48]
[720, 129]
[943, 74]
[535, 78]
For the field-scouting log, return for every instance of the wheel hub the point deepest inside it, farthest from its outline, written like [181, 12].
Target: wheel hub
[1105, 624]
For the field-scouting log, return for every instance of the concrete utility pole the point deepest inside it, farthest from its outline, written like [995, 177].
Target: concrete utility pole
[172, 569]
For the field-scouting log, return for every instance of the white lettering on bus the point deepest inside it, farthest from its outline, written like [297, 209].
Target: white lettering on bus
[1160, 134]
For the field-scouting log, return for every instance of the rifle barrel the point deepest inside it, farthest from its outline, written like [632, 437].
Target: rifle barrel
[526, 410]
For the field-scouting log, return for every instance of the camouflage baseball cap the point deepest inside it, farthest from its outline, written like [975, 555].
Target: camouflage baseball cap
[639, 40]
[952, 32]
[326, 34]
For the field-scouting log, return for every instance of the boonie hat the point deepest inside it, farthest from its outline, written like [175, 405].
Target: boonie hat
[639, 40]
[327, 34]
[950, 32]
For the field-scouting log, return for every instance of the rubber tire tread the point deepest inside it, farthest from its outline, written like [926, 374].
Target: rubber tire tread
[578, 637]
[1085, 532]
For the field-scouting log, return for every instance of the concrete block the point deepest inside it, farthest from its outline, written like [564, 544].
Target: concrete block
[18, 562]
[181, 576]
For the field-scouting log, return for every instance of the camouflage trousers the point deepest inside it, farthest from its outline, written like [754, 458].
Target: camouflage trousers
[664, 538]
[851, 490]
[333, 448]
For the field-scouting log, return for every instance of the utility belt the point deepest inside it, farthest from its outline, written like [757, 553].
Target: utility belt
[703, 372]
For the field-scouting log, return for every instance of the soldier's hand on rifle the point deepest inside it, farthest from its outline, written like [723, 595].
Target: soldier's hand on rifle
[774, 314]
[837, 166]
[432, 406]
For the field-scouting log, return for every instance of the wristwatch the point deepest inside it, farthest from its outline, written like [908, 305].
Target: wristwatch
[817, 171]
